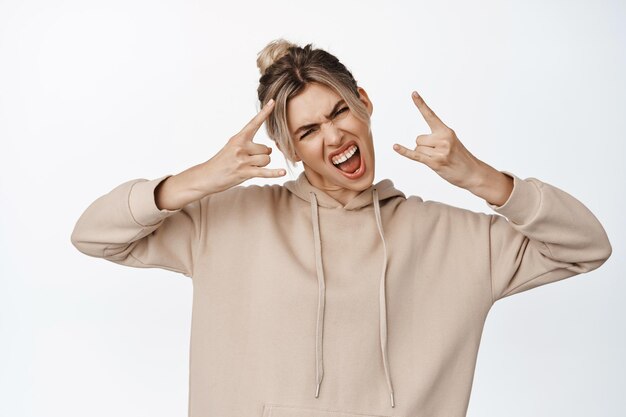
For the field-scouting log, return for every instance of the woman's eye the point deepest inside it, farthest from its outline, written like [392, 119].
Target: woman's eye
[342, 110]
[338, 112]
[306, 133]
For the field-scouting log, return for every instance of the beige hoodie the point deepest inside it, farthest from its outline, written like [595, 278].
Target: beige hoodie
[304, 307]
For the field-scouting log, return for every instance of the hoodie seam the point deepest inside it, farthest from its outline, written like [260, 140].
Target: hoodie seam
[132, 240]
[156, 265]
[130, 210]
[323, 410]
[513, 290]
[199, 236]
[493, 299]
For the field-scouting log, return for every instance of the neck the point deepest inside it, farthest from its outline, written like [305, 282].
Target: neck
[339, 193]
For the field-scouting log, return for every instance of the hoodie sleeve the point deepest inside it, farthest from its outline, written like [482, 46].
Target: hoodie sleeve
[126, 227]
[549, 236]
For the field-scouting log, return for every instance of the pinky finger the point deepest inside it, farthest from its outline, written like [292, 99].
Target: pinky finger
[409, 153]
[413, 154]
[269, 173]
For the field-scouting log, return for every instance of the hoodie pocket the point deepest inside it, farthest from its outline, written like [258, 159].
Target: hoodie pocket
[275, 410]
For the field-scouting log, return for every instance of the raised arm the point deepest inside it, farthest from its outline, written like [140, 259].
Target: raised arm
[125, 226]
[157, 223]
[541, 234]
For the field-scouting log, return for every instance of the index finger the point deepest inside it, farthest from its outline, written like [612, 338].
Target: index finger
[256, 122]
[431, 118]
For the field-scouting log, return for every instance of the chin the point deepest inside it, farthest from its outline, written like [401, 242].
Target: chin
[362, 183]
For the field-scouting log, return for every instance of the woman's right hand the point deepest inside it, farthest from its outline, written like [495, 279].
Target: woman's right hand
[239, 160]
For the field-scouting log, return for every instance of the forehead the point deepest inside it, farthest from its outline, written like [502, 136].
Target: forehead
[311, 105]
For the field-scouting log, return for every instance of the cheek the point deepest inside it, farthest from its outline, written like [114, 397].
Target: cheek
[310, 149]
[353, 124]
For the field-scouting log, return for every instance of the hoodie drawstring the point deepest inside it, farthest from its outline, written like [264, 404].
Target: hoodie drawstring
[319, 369]
[382, 297]
[322, 297]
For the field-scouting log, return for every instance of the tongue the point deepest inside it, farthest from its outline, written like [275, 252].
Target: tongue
[351, 164]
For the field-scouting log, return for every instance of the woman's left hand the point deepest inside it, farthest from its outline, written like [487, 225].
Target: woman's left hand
[442, 151]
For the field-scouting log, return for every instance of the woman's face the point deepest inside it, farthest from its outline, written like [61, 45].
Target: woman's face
[323, 128]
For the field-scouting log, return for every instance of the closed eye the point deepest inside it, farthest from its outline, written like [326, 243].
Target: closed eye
[306, 133]
[338, 112]
[342, 110]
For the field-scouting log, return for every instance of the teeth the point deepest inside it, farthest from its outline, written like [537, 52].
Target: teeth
[345, 155]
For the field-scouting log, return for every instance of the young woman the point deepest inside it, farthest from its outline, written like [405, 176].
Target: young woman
[330, 295]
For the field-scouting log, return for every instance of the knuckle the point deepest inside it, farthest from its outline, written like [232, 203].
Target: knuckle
[240, 165]
[241, 160]
[242, 176]
[240, 151]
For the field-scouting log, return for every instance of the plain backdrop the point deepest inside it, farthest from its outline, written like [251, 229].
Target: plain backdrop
[95, 93]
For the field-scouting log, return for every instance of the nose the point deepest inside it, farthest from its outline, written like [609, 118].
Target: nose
[332, 134]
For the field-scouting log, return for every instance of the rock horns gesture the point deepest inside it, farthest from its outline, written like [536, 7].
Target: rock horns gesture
[441, 150]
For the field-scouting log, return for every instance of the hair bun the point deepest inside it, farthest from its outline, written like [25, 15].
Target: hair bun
[272, 52]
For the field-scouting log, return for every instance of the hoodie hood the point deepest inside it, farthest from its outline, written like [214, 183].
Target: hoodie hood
[302, 188]
[382, 190]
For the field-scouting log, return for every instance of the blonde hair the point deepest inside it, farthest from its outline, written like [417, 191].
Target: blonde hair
[285, 70]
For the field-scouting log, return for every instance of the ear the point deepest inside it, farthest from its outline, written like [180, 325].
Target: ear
[365, 99]
[296, 157]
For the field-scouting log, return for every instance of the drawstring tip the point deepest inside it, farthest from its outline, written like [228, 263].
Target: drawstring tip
[317, 391]
[393, 404]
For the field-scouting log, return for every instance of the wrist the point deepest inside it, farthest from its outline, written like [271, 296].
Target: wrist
[492, 185]
[163, 195]
[176, 191]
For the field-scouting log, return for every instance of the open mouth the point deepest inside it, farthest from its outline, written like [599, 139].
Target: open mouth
[349, 162]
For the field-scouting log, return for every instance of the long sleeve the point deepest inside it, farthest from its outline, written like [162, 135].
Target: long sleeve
[126, 227]
[549, 236]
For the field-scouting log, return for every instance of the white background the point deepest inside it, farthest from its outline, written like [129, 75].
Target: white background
[95, 93]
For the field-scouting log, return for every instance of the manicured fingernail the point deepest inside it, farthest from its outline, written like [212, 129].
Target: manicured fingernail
[271, 102]
[415, 94]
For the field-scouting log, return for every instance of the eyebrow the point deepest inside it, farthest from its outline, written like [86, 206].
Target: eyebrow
[304, 127]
